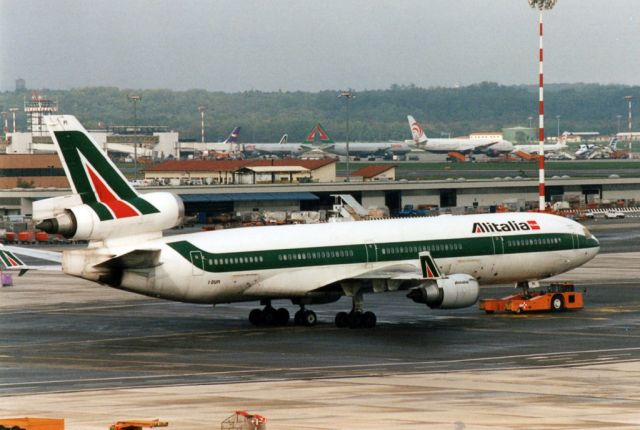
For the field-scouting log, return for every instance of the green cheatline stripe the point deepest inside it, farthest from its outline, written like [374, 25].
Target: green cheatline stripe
[383, 252]
[74, 142]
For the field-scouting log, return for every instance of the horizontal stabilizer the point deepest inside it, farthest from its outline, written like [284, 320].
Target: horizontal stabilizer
[137, 259]
[41, 254]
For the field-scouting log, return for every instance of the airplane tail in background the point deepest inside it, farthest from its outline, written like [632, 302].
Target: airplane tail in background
[613, 143]
[103, 204]
[562, 140]
[234, 136]
[416, 131]
[284, 139]
[320, 133]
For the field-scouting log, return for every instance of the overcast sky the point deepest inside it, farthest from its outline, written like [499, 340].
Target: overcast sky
[236, 45]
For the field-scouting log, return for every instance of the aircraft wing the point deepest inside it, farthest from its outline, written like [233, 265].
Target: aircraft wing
[469, 146]
[396, 271]
[136, 259]
[54, 257]
[392, 277]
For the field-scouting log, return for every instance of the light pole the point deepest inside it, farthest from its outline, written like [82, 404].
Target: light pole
[629, 99]
[348, 95]
[558, 123]
[202, 109]
[530, 119]
[135, 99]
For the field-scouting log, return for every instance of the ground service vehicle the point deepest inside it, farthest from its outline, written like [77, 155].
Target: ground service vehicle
[557, 297]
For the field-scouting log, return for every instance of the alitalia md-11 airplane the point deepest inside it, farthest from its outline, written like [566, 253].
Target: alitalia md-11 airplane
[440, 261]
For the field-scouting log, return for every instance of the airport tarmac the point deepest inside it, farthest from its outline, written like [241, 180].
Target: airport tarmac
[94, 355]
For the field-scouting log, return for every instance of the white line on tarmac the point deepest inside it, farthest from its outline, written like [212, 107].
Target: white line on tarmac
[339, 367]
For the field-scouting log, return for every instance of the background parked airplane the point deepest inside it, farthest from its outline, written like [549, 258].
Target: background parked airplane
[534, 148]
[280, 149]
[490, 147]
[356, 149]
[590, 150]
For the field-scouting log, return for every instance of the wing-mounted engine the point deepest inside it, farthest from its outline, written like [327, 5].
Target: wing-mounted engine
[141, 214]
[458, 290]
[452, 292]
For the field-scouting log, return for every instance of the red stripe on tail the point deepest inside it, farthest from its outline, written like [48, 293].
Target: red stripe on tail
[120, 208]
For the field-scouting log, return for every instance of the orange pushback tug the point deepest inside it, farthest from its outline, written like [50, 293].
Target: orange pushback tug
[557, 297]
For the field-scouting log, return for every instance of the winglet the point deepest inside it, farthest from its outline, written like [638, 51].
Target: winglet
[429, 267]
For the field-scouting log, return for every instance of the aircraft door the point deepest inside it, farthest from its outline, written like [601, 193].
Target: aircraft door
[498, 249]
[372, 253]
[197, 261]
[575, 241]
[498, 245]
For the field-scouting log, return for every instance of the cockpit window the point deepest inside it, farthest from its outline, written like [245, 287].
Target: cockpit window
[587, 233]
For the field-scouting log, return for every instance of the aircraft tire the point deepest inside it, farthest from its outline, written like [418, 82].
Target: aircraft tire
[309, 318]
[355, 319]
[269, 316]
[298, 317]
[282, 316]
[557, 303]
[255, 317]
[369, 320]
[342, 319]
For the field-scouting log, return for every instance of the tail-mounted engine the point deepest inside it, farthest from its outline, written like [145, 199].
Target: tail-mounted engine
[73, 219]
[453, 292]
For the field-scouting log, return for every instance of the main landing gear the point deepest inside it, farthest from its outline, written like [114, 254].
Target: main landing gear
[269, 316]
[305, 317]
[356, 318]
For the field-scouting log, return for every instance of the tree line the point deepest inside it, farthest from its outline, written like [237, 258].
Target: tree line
[375, 115]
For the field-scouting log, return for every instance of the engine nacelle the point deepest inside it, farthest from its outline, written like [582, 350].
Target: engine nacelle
[455, 291]
[82, 222]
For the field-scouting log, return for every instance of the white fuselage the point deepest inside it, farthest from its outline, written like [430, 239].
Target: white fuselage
[535, 148]
[294, 260]
[364, 149]
[281, 149]
[465, 146]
